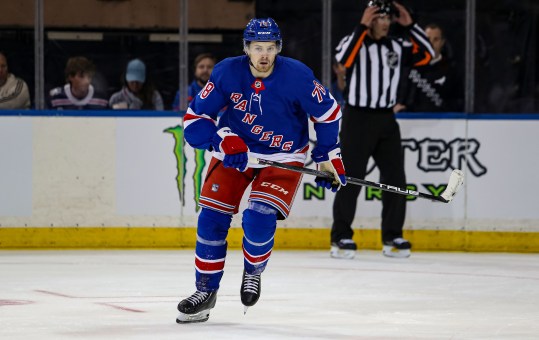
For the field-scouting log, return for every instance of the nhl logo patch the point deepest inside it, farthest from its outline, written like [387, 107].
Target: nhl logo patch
[215, 187]
[392, 59]
[258, 86]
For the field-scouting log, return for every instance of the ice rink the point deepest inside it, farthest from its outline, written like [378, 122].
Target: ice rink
[305, 294]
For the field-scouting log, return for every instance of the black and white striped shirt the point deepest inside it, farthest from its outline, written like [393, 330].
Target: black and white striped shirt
[374, 66]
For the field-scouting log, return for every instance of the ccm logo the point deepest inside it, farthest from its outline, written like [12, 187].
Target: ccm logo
[274, 187]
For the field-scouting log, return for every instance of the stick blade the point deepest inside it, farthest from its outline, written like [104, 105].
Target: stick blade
[456, 180]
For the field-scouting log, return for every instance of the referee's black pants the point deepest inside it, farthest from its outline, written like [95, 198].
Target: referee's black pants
[365, 133]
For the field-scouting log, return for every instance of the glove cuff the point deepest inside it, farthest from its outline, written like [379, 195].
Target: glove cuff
[320, 154]
[335, 153]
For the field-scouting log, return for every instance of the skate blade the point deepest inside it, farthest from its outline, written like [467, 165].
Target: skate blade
[245, 308]
[197, 317]
[391, 251]
[337, 253]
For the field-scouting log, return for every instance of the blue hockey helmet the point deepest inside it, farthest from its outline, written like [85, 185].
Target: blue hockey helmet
[262, 30]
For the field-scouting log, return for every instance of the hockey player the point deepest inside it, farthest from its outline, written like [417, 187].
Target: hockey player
[269, 100]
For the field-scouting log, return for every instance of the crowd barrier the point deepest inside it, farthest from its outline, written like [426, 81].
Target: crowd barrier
[126, 179]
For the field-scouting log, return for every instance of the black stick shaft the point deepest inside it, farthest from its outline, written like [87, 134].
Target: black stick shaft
[352, 180]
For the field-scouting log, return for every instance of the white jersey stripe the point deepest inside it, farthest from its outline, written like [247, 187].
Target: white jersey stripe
[188, 122]
[386, 84]
[421, 36]
[396, 75]
[343, 45]
[209, 261]
[363, 79]
[269, 196]
[375, 69]
[325, 116]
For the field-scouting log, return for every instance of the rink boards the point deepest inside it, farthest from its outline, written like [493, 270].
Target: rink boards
[114, 182]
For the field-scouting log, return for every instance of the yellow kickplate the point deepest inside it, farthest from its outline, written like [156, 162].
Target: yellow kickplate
[286, 238]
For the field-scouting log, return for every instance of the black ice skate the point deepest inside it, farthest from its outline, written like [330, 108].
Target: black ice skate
[196, 308]
[251, 286]
[398, 247]
[344, 249]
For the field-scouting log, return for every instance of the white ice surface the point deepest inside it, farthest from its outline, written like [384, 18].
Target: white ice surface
[305, 294]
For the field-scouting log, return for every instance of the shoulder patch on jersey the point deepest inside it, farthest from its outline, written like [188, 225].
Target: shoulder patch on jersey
[319, 91]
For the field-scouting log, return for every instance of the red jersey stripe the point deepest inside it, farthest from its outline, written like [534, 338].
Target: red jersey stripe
[256, 259]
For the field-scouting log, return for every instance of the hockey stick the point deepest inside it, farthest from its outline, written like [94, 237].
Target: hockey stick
[455, 181]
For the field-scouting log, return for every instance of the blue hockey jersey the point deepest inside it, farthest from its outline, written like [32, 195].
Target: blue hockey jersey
[271, 114]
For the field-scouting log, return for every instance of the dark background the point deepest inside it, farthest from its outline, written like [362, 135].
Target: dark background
[505, 57]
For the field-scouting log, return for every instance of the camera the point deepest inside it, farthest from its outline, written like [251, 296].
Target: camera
[386, 7]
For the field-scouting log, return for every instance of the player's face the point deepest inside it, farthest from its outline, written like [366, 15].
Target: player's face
[380, 26]
[80, 83]
[262, 55]
[3, 70]
[436, 39]
[203, 70]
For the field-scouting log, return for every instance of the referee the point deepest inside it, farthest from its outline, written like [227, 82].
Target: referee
[374, 62]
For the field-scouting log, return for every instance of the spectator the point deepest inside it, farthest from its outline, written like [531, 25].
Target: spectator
[431, 86]
[373, 61]
[13, 91]
[202, 66]
[78, 93]
[136, 93]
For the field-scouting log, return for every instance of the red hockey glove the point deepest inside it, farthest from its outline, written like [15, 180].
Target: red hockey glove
[233, 147]
[330, 162]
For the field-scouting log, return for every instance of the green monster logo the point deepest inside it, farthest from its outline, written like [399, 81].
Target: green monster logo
[181, 161]
[311, 191]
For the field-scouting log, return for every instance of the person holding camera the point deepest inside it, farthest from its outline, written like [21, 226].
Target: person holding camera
[374, 62]
[433, 87]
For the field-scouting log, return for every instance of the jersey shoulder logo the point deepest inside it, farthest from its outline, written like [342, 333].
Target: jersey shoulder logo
[319, 91]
